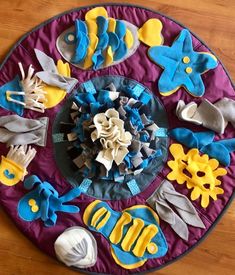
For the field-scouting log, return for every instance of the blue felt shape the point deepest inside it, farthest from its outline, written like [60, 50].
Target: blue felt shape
[138, 90]
[144, 213]
[102, 24]
[95, 107]
[120, 29]
[145, 98]
[174, 74]
[220, 150]
[103, 42]
[114, 41]
[84, 99]
[120, 52]
[8, 174]
[82, 41]
[191, 139]
[48, 201]
[97, 59]
[89, 87]
[84, 185]
[204, 141]
[81, 26]
[133, 186]
[13, 85]
[161, 132]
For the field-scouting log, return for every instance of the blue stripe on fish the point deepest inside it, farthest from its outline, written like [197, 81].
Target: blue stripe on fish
[82, 41]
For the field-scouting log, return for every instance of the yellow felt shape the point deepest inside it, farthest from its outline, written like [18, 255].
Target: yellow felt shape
[112, 25]
[91, 49]
[10, 172]
[198, 172]
[150, 33]
[109, 56]
[98, 214]
[117, 233]
[145, 240]
[93, 13]
[132, 234]
[104, 220]
[129, 39]
[92, 26]
[55, 95]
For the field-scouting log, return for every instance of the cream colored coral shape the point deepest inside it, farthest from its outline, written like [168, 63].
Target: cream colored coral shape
[110, 131]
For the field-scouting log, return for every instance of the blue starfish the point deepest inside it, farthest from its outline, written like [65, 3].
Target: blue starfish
[182, 66]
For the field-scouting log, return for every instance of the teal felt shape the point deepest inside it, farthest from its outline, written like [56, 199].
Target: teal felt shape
[82, 41]
[141, 212]
[103, 41]
[47, 201]
[175, 75]
[120, 29]
[121, 51]
[97, 59]
[114, 41]
[8, 174]
[102, 24]
[13, 85]
[204, 141]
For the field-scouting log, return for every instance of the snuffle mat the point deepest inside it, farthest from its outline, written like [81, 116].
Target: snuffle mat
[117, 139]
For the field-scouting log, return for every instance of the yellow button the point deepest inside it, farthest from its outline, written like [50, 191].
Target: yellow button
[188, 70]
[34, 208]
[152, 248]
[186, 59]
[31, 202]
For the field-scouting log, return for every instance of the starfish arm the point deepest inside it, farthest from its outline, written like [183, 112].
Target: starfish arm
[195, 85]
[166, 84]
[183, 43]
[204, 62]
[163, 56]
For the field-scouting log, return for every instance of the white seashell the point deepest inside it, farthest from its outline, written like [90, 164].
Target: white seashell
[76, 247]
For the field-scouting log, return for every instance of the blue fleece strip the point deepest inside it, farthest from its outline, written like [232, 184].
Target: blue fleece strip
[133, 186]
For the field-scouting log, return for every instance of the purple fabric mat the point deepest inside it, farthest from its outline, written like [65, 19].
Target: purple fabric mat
[140, 68]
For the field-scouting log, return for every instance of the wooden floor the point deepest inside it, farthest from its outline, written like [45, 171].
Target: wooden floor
[213, 21]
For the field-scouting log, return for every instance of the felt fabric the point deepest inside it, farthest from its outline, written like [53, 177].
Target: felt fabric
[182, 66]
[13, 167]
[76, 247]
[33, 92]
[204, 141]
[99, 41]
[212, 116]
[57, 76]
[165, 199]
[124, 144]
[198, 172]
[218, 85]
[6, 98]
[121, 231]
[145, 33]
[16, 130]
[43, 202]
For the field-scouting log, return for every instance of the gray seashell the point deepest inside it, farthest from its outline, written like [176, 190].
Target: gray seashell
[76, 247]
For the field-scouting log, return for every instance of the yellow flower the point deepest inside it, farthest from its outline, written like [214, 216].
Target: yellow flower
[198, 172]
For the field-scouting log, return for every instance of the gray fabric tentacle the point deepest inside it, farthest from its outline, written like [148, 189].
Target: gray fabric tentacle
[166, 200]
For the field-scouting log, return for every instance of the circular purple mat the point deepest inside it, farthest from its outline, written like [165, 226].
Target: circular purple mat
[139, 68]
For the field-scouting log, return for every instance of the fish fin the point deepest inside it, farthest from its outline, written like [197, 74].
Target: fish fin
[150, 33]
[129, 39]
[94, 13]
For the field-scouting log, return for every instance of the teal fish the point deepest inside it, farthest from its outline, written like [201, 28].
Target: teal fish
[101, 41]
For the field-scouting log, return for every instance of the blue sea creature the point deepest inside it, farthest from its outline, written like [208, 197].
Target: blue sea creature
[43, 201]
